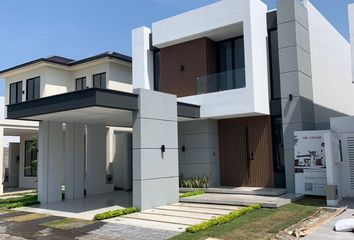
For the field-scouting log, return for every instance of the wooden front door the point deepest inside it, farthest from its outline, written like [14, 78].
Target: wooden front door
[245, 152]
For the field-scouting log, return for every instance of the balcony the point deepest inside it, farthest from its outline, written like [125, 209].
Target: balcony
[221, 81]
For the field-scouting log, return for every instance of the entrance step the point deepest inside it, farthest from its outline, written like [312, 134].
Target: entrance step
[243, 200]
[240, 190]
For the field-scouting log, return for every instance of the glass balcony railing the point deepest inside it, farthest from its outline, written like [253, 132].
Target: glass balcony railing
[221, 81]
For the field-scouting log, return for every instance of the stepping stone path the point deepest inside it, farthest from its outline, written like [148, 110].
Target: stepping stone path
[176, 217]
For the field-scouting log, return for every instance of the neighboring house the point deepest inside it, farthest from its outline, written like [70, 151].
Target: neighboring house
[217, 92]
[54, 76]
[19, 159]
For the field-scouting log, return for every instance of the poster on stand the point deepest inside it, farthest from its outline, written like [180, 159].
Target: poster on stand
[310, 163]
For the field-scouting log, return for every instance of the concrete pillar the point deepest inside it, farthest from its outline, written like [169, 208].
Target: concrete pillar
[1, 160]
[143, 67]
[155, 172]
[50, 161]
[295, 78]
[74, 160]
[97, 161]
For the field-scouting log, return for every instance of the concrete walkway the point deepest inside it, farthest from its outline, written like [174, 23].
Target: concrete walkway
[240, 190]
[84, 208]
[243, 200]
[325, 232]
[176, 217]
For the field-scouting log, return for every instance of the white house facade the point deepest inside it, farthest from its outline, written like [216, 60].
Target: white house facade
[215, 92]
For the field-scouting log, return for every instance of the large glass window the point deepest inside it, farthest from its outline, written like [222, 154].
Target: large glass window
[31, 149]
[16, 92]
[99, 80]
[231, 64]
[80, 83]
[157, 70]
[274, 64]
[32, 88]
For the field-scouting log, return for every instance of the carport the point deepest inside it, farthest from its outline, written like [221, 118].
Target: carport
[73, 142]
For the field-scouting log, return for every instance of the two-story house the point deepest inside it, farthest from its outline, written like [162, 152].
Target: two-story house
[217, 91]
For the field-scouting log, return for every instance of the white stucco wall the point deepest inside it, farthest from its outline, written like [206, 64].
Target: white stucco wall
[120, 77]
[55, 81]
[351, 32]
[331, 69]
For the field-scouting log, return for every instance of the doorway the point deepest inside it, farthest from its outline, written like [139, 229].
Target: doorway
[245, 152]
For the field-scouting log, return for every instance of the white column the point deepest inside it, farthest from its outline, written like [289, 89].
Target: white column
[74, 161]
[143, 66]
[50, 161]
[1, 160]
[155, 172]
[97, 160]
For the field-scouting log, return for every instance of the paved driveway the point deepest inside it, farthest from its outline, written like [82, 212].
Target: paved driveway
[25, 225]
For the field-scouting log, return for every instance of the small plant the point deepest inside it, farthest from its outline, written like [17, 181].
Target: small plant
[195, 182]
[115, 213]
[223, 219]
[189, 194]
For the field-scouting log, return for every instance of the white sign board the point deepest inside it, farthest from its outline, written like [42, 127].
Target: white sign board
[310, 163]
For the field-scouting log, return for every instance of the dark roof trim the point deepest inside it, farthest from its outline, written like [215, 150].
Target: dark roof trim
[92, 97]
[68, 62]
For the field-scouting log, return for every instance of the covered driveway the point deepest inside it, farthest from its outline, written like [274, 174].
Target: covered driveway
[74, 137]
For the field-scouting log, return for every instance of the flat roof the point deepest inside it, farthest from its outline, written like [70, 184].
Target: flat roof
[70, 62]
[87, 98]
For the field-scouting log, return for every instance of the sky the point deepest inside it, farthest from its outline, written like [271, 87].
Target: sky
[81, 28]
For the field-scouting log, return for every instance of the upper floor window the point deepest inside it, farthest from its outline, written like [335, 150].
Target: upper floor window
[231, 64]
[80, 83]
[99, 80]
[16, 92]
[32, 88]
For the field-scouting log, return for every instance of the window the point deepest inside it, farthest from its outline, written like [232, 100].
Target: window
[274, 64]
[157, 70]
[31, 150]
[99, 80]
[32, 88]
[80, 83]
[16, 92]
[231, 64]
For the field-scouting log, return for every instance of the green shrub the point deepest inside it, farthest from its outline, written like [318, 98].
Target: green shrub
[22, 204]
[223, 219]
[115, 213]
[195, 182]
[189, 194]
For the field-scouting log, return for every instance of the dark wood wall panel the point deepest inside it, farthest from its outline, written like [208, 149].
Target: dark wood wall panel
[242, 164]
[197, 58]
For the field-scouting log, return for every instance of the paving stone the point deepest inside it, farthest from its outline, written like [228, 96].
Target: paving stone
[126, 232]
[164, 219]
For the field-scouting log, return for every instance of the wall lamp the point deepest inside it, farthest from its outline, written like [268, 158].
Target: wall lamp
[163, 148]
[290, 97]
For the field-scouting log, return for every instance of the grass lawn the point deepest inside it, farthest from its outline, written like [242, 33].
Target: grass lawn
[261, 224]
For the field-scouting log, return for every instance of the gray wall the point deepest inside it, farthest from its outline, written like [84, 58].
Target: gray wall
[295, 78]
[201, 157]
